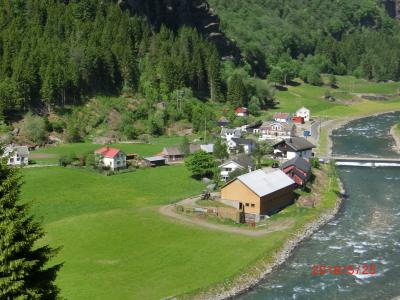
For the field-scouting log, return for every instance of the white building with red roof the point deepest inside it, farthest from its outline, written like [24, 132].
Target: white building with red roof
[111, 157]
[281, 117]
[241, 112]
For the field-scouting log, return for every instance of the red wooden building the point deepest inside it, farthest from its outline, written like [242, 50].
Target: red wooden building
[299, 169]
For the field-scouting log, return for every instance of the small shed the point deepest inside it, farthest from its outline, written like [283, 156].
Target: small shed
[155, 161]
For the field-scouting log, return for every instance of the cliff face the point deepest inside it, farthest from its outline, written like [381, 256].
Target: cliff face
[175, 13]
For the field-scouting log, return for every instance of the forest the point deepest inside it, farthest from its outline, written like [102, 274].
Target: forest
[57, 56]
[355, 37]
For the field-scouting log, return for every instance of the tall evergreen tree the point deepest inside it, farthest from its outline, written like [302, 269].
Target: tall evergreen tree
[23, 264]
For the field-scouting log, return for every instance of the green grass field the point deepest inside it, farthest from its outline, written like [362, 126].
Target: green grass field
[117, 246]
[313, 98]
[156, 145]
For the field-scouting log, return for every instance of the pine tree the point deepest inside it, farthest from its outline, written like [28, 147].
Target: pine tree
[23, 271]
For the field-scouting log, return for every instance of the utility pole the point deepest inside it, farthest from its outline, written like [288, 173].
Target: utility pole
[205, 130]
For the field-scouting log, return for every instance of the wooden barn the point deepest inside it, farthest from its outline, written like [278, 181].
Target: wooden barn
[259, 193]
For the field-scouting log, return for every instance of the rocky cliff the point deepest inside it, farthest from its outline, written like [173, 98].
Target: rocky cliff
[175, 13]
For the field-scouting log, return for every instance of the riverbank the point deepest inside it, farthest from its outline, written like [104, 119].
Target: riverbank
[252, 277]
[395, 132]
[325, 144]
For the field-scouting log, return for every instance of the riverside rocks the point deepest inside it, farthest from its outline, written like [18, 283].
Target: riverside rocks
[248, 281]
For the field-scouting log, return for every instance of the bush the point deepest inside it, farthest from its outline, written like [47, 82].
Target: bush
[34, 129]
[315, 163]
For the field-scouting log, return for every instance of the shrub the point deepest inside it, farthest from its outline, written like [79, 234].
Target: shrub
[35, 128]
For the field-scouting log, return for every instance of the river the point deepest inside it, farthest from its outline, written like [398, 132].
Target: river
[365, 232]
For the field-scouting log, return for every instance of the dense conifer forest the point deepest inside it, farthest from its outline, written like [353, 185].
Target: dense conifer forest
[354, 37]
[57, 55]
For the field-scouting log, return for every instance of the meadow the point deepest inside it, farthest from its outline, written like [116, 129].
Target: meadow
[115, 244]
[51, 155]
[313, 98]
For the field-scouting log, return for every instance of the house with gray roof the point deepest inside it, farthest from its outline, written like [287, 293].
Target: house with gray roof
[235, 144]
[242, 162]
[172, 154]
[293, 147]
[16, 155]
[299, 169]
[227, 133]
[260, 193]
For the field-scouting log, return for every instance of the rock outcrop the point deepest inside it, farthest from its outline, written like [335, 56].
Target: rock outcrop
[175, 13]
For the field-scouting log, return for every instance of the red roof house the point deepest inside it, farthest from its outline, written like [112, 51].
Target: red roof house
[298, 120]
[112, 158]
[281, 117]
[241, 111]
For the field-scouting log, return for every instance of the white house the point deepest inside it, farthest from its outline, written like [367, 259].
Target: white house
[304, 113]
[294, 147]
[234, 144]
[276, 130]
[281, 117]
[111, 157]
[228, 134]
[242, 162]
[16, 155]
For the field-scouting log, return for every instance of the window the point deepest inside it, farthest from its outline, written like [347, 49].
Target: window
[253, 205]
[247, 204]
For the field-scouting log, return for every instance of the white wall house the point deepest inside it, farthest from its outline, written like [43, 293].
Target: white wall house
[16, 155]
[242, 162]
[111, 157]
[281, 117]
[228, 134]
[304, 113]
[294, 147]
[234, 144]
[276, 131]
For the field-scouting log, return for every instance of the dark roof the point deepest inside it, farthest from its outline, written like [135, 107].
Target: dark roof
[241, 141]
[244, 160]
[155, 158]
[297, 143]
[300, 163]
[255, 125]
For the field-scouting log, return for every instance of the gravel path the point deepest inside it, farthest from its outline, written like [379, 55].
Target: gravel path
[170, 211]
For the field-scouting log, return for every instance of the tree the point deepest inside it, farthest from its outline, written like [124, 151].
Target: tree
[35, 128]
[23, 264]
[200, 164]
[332, 80]
[220, 150]
[260, 150]
[276, 75]
[237, 91]
[237, 173]
[185, 146]
[254, 106]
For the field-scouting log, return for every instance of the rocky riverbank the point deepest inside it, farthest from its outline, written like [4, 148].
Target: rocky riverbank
[396, 136]
[251, 279]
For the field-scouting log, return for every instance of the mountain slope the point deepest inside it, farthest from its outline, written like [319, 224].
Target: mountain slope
[176, 13]
[350, 37]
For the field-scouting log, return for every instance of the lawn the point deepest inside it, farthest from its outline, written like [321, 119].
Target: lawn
[313, 98]
[117, 246]
[154, 147]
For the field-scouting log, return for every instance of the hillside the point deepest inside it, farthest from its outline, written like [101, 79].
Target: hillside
[342, 37]
[177, 13]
